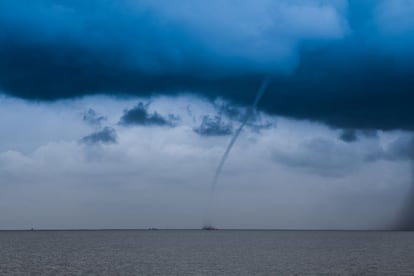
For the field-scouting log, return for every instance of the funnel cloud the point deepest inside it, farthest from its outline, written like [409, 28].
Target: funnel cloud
[233, 140]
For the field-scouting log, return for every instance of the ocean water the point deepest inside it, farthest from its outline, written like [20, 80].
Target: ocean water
[186, 252]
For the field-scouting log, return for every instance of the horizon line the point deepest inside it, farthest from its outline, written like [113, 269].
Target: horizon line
[200, 229]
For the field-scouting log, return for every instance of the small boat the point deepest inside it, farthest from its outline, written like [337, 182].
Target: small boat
[208, 227]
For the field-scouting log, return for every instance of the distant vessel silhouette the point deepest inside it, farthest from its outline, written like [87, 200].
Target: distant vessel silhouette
[208, 227]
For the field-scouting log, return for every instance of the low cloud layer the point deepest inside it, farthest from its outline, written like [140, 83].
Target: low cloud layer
[92, 118]
[213, 127]
[345, 63]
[160, 176]
[326, 157]
[238, 114]
[140, 116]
[348, 135]
[104, 136]
[337, 158]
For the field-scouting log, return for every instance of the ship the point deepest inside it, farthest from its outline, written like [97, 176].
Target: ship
[208, 228]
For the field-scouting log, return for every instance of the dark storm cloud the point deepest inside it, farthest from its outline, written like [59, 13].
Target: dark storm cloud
[347, 64]
[353, 135]
[92, 118]
[104, 136]
[231, 111]
[213, 127]
[139, 115]
[238, 114]
[348, 135]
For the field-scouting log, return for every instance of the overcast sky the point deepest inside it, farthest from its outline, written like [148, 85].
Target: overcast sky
[115, 114]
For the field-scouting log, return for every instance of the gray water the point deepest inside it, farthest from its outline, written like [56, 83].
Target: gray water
[206, 253]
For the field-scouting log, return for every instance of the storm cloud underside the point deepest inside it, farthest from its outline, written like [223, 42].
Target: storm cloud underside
[339, 62]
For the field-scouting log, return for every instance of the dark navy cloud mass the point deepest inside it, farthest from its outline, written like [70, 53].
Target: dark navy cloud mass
[345, 63]
[139, 115]
[348, 135]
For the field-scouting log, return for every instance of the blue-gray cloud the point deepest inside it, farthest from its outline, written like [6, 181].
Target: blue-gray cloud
[353, 135]
[333, 158]
[139, 115]
[92, 118]
[325, 157]
[104, 136]
[345, 63]
[401, 149]
[213, 127]
[238, 114]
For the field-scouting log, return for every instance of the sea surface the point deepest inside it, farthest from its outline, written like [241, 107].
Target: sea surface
[196, 252]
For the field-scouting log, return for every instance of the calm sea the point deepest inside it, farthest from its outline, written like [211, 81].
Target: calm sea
[206, 253]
